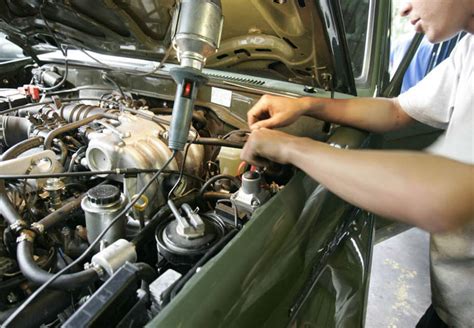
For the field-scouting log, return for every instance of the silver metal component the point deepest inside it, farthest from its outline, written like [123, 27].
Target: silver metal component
[135, 143]
[99, 216]
[189, 227]
[12, 298]
[25, 236]
[96, 268]
[179, 249]
[41, 162]
[38, 227]
[250, 196]
[162, 284]
[55, 188]
[339, 146]
[114, 256]
[197, 28]
[18, 225]
[197, 31]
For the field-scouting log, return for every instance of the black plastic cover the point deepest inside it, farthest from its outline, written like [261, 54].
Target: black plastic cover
[110, 302]
[103, 194]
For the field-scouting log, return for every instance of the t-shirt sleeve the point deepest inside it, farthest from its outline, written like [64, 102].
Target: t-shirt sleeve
[431, 101]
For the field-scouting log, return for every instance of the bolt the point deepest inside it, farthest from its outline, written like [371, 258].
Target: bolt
[255, 203]
[12, 298]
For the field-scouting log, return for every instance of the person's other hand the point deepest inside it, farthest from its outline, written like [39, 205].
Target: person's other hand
[265, 145]
[273, 112]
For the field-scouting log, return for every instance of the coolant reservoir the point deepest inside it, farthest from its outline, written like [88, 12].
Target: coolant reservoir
[229, 160]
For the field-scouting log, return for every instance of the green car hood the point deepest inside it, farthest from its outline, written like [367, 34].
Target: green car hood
[285, 40]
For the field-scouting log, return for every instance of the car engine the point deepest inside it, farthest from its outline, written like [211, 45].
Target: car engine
[102, 222]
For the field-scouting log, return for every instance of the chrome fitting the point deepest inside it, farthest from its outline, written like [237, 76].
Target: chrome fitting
[114, 256]
[19, 225]
[25, 236]
[38, 227]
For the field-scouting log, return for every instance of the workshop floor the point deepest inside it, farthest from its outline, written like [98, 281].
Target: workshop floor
[399, 291]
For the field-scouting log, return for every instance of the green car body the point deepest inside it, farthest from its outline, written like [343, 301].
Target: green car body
[304, 258]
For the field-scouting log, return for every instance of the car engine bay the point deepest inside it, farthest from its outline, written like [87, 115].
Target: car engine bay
[99, 210]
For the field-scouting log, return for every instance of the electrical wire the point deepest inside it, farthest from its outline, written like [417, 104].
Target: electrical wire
[123, 171]
[37, 292]
[162, 61]
[240, 131]
[108, 78]
[63, 50]
[49, 28]
[181, 170]
[154, 70]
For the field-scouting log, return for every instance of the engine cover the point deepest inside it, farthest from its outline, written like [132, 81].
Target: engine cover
[135, 142]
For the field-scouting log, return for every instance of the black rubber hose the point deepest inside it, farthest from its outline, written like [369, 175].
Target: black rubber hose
[43, 310]
[27, 265]
[215, 195]
[29, 268]
[145, 272]
[15, 129]
[216, 178]
[60, 214]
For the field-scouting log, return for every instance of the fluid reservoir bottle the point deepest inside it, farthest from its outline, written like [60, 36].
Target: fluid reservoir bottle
[102, 204]
[229, 160]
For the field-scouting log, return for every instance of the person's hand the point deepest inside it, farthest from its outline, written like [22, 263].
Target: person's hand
[273, 112]
[265, 145]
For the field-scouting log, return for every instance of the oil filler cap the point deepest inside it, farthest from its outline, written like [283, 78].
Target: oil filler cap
[103, 194]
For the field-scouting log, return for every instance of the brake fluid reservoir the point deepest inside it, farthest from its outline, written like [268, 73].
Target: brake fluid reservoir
[102, 204]
[229, 160]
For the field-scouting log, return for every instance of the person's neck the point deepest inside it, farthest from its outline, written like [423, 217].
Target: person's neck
[470, 25]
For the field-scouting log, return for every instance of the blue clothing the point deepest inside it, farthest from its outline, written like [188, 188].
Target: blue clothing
[418, 67]
[425, 59]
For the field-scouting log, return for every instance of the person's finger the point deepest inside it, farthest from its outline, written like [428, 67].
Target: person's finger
[272, 122]
[249, 155]
[255, 115]
[260, 161]
[258, 111]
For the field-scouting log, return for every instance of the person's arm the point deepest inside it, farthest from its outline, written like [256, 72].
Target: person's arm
[431, 192]
[371, 114]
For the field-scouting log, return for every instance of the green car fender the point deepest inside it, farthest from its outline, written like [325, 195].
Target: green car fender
[303, 259]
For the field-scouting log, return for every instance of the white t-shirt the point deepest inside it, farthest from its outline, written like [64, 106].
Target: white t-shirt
[444, 99]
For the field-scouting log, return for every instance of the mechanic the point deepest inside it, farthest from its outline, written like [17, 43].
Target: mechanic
[433, 190]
